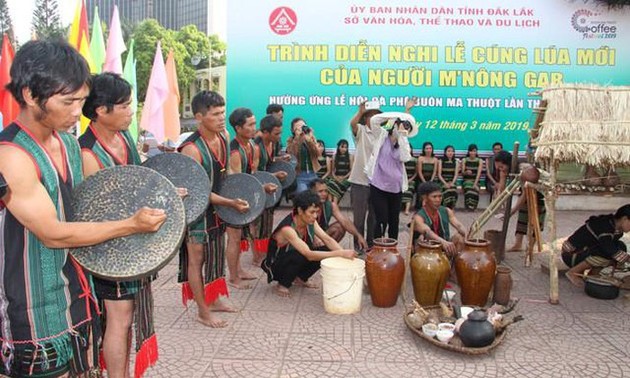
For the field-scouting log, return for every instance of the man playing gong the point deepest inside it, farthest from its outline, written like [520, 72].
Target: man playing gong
[268, 144]
[48, 311]
[108, 143]
[204, 246]
[244, 157]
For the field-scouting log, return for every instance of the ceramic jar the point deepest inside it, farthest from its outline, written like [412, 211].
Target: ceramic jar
[475, 267]
[429, 271]
[477, 331]
[502, 285]
[385, 270]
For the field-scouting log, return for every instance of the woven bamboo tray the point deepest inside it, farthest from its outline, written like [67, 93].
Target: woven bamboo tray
[455, 344]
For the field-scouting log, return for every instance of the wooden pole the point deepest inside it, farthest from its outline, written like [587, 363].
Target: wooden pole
[508, 204]
[533, 225]
[554, 296]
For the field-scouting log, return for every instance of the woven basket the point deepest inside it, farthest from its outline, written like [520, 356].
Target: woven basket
[455, 345]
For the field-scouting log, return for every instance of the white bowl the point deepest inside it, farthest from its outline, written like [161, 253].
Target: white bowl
[430, 329]
[445, 335]
[446, 326]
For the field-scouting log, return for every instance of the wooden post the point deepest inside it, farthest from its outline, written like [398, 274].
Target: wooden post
[533, 225]
[508, 203]
[550, 202]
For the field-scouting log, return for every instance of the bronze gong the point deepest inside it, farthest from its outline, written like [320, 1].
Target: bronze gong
[117, 193]
[246, 187]
[268, 178]
[185, 172]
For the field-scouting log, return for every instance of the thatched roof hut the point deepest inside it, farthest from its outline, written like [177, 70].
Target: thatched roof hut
[586, 124]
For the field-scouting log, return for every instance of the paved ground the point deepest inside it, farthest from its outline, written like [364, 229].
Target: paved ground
[295, 337]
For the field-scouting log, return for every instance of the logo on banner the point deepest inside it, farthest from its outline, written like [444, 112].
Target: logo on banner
[590, 26]
[282, 20]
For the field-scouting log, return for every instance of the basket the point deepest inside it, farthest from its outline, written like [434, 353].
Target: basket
[455, 345]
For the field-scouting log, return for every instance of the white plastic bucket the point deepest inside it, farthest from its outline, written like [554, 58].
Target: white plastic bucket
[342, 284]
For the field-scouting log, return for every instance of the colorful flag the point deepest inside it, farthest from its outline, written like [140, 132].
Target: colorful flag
[171, 105]
[129, 73]
[79, 38]
[97, 43]
[79, 35]
[8, 106]
[152, 112]
[115, 45]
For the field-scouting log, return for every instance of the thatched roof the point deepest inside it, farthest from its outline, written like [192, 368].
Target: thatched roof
[587, 124]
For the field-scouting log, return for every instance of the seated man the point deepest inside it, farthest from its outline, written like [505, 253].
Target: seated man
[596, 244]
[291, 257]
[328, 210]
[432, 220]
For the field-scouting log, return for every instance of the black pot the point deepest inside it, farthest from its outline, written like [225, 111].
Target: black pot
[600, 289]
[477, 331]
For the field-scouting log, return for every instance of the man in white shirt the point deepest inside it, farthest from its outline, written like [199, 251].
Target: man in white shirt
[364, 136]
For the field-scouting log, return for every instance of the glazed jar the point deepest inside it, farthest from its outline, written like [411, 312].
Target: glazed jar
[475, 267]
[429, 271]
[385, 270]
[502, 285]
[477, 331]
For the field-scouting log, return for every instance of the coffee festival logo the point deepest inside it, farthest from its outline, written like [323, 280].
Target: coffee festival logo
[588, 24]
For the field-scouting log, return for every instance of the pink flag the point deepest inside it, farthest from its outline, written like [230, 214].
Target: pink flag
[115, 45]
[152, 118]
[171, 106]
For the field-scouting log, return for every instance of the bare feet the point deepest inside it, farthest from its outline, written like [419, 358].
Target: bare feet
[211, 321]
[282, 291]
[575, 278]
[239, 284]
[515, 248]
[306, 284]
[221, 306]
[246, 275]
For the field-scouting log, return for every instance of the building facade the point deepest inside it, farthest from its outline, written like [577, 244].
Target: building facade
[172, 14]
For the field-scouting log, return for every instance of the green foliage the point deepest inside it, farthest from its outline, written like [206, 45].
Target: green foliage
[186, 43]
[146, 36]
[6, 26]
[128, 28]
[218, 50]
[46, 23]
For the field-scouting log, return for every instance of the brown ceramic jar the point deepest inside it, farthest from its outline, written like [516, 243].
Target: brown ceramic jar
[429, 272]
[475, 267]
[502, 285]
[385, 270]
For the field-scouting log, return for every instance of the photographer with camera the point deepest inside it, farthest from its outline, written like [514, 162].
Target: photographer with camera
[386, 169]
[365, 137]
[303, 145]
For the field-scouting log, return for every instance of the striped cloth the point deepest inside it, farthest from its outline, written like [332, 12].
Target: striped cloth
[46, 303]
[449, 195]
[471, 195]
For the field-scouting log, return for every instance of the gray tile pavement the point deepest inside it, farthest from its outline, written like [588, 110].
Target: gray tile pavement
[295, 337]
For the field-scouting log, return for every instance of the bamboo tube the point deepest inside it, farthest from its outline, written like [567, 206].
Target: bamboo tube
[481, 221]
[403, 291]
